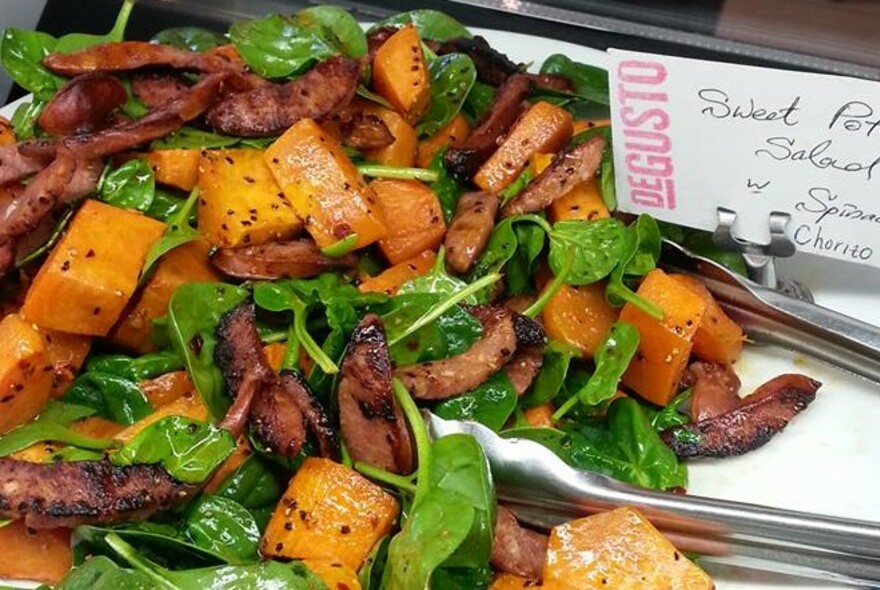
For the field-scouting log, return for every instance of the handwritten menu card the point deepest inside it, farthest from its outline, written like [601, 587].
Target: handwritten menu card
[690, 136]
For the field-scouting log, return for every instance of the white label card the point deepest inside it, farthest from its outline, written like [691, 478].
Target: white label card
[691, 136]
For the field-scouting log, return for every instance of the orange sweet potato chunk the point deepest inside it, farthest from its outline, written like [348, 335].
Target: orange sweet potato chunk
[66, 353]
[7, 133]
[513, 582]
[453, 135]
[540, 416]
[25, 372]
[544, 128]
[402, 151]
[186, 264]
[390, 279]
[324, 186]
[400, 74]
[189, 405]
[166, 388]
[621, 550]
[43, 555]
[335, 574]
[664, 346]
[240, 203]
[230, 465]
[329, 512]
[583, 202]
[178, 168]
[418, 218]
[719, 339]
[580, 317]
[93, 271]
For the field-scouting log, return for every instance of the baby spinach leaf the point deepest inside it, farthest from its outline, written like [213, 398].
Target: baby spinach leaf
[462, 578]
[76, 41]
[554, 369]
[446, 187]
[193, 314]
[165, 205]
[50, 242]
[178, 233]
[112, 397]
[191, 38]
[490, 404]
[335, 25]
[459, 466]
[640, 253]
[277, 46]
[264, 575]
[21, 55]
[589, 82]
[555, 440]
[24, 119]
[595, 245]
[671, 414]
[607, 187]
[136, 369]
[194, 139]
[612, 359]
[52, 425]
[516, 187]
[187, 449]
[437, 282]
[504, 243]
[439, 523]
[452, 333]
[131, 186]
[478, 102]
[257, 485]
[452, 77]
[102, 573]
[223, 527]
[521, 268]
[431, 24]
[626, 447]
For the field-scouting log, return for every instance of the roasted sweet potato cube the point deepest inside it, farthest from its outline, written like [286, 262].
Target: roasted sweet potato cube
[329, 512]
[400, 74]
[25, 372]
[166, 388]
[7, 133]
[513, 582]
[66, 353]
[453, 135]
[544, 128]
[241, 454]
[324, 186]
[579, 316]
[664, 345]
[335, 574]
[402, 151]
[618, 549]
[389, 280]
[93, 271]
[185, 264]
[583, 202]
[240, 203]
[42, 555]
[189, 405]
[177, 168]
[719, 339]
[418, 218]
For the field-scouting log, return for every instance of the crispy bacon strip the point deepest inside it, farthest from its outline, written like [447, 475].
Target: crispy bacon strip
[16, 163]
[493, 67]
[155, 90]
[456, 375]
[470, 229]
[464, 161]
[715, 390]
[517, 550]
[270, 110]
[760, 416]
[524, 367]
[133, 55]
[276, 260]
[372, 424]
[572, 167]
[82, 105]
[357, 129]
[49, 495]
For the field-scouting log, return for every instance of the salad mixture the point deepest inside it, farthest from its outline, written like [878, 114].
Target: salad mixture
[236, 268]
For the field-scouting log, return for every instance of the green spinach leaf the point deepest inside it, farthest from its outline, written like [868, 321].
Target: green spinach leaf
[102, 573]
[147, 366]
[131, 186]
[24, 119]
[596, 247]
[671, 414]
[189, 138]
[436, 282]
[554, 370]
[478, 102]
[224, 527]
[112, 397]
[178, 233]
[189, 450]
[52, 425]
[431, 24]
[452, 77]
[490, 404]
[277, 46]
[462, 578]
[589, 82]
[336, 26]
[446, 187]
[191, 38]
[21, 54]
[640, 253]
[76, 41]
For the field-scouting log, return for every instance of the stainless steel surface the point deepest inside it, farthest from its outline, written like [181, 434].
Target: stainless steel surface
[537, 482]
[770, 316]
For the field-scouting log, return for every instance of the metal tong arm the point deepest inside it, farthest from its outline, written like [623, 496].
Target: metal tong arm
[525, 471]
[776, 318]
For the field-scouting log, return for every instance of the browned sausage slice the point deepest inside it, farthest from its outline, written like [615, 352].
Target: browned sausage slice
[470, 229]
[276, 260]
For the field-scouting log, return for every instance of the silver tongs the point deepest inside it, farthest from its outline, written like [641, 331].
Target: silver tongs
[544, 491]
[772, 317]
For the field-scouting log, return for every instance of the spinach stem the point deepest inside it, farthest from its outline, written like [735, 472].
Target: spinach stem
[420, 435]
[345, 456]
[537, 220]
[305, 339]
[564, 408]
[392, 479]
[446, 305]
[128, 553]
[624, 293]
[551, 288]
[117, 33]
[402, 172]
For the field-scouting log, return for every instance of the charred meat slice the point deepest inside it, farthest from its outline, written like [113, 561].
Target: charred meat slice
[759, 417]
[357, 129]
[436, 380]
[715, 390]
[276, 260]
[517, 550]
[155, 90]
[271, 110]
[83, 105]
[470, 229]
[17, 164]
[551, 82]
[572, 167]
[133, 55]
[528, 331]
[493, 67]
[463, 162]
[48, 495]
[372, 424]
[279, 407]
[524, 367]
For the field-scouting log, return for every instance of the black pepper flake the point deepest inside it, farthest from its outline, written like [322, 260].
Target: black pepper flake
[345, 529]
[90, 253]
[96, 310]
[279, 546]
[229, 160]
[249, 179]
[65, 266]
[288, 526]
[6, 399]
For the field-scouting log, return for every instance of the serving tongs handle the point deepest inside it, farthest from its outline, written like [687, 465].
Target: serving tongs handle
[772, 317]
